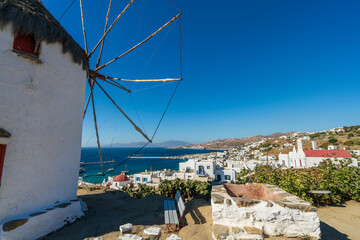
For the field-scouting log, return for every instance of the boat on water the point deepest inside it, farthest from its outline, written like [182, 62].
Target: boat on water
[99, 174]
[82, 170]
[111, 169]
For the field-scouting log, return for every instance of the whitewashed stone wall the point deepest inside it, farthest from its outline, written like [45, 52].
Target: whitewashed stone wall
[242, 218]
[39, 222]
[41, 106]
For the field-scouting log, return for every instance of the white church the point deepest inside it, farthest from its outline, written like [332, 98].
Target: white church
[42, 88]
[310, 158]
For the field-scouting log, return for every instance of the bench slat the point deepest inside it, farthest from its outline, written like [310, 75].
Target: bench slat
[174, 214]
[170, 213]
[166, 212]
[181, 206]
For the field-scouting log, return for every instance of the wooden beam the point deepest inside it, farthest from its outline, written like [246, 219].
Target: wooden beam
[107, 31]
[140, 43]
[97, 132]
[116, 84]
[152, 80]
[135, 126]
[83, 26]
[102, 43]
[91, 85]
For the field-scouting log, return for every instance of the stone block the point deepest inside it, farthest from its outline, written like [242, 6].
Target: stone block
[130, 237]
[245, 202]
[125, 228]
[253, 230]
[301, 207]
[220, 231]
[37, 214]
[217, 199]
[11, 225]
[249, 237]
[62, 205]
[152, 233]
[83, 205]
[236, 230]
[173, 237]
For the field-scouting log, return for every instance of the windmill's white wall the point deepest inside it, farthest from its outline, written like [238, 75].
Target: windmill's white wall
[41, 105]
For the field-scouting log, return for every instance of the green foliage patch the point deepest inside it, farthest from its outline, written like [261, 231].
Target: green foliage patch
[341, 179]
[188, 189]
[352, 142]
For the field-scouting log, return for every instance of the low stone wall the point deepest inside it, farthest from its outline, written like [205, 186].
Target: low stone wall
[41, 222]
[244, 218]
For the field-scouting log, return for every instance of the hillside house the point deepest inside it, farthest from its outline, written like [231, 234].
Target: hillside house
[309, 158]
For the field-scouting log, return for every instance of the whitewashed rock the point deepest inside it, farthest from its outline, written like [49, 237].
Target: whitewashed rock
[243, 236]
[98, 238]
[83, 205]
[153, 231]
[174, 237]
[290, 216]
[126, 228]
[130, 237]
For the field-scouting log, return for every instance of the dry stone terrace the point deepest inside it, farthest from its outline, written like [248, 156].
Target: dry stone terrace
[256, 210]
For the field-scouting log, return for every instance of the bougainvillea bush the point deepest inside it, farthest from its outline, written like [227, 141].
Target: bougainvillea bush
[340, 178]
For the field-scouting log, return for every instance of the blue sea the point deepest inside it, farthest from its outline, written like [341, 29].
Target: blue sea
[132, 165]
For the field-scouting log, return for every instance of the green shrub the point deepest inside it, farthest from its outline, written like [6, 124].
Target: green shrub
[333, 140]
[352, 142]
[324, 146]
[341, 179]
[188, 189]
[350, 135]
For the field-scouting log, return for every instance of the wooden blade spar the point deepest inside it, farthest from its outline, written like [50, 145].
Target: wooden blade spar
[140, 43]
[134, 125]
[91, 85]
[107, 31]
[83, 26]
[103, 41]
[152, 80]
[97, 133]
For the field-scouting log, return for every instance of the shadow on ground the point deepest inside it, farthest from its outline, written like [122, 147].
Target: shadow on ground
[196, 216]
[108, 210]
[330, 233]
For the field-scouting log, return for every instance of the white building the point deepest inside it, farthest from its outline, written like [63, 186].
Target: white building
[332, 147]
[309, 158]
[201, 167]
[144, 177]
[42, 87]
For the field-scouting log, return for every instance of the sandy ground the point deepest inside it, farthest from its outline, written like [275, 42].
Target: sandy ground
[110, 209]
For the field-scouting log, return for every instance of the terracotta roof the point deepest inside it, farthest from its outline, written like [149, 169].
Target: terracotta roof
[31, 16]
[121, 178]
[328, 153]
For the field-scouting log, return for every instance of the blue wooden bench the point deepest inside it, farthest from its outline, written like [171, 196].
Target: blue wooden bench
[172, 219]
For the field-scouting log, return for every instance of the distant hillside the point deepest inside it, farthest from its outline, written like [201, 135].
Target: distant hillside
[165, 144]
[232, 142]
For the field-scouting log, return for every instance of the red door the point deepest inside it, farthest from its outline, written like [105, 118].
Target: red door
[2, 157]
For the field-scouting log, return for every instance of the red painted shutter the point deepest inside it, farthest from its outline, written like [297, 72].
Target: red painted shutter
[2, 157]
[25, 43]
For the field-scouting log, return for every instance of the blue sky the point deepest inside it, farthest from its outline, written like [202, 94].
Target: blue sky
[250, 67]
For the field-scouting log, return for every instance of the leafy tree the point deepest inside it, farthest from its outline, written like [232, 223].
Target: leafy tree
[341, 179]
[333, 140]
